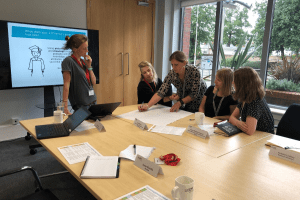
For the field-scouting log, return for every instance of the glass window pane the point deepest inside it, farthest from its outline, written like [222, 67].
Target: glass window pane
[283, 81]
[198, 34]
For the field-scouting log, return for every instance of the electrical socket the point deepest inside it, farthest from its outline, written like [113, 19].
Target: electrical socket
[15, 121]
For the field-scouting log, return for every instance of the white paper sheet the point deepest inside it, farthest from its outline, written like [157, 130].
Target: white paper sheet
[128, 153]
[157, 115]
[85, 125]
[170, 130]
[283, 142]
[78, 152]
[143, 193]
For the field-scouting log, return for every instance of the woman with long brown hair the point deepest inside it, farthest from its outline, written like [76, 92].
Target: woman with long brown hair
[252, 112]
[188, 82]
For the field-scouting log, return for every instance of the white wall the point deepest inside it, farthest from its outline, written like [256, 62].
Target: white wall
[20, 103]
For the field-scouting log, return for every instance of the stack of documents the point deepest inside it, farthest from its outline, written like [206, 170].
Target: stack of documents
[285, 143]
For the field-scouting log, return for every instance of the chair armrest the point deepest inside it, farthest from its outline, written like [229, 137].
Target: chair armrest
[17, 170]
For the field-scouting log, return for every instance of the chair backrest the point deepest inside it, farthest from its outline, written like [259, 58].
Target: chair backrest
[289, 125]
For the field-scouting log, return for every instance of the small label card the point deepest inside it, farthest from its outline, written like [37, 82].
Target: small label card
[140, 124]
[99, 126]
[148, 166]
[285, 154]
[158, 161]
[197, 131]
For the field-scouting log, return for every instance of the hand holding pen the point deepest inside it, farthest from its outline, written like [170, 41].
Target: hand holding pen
[143, 107]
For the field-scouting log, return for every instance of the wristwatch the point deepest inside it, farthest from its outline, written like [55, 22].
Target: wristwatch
[182, 103]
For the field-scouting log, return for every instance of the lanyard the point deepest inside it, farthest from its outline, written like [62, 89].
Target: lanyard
[150, 85]
[87, 74]
[217, 111]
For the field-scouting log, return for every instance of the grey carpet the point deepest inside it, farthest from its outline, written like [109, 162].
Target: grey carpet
[15, 154]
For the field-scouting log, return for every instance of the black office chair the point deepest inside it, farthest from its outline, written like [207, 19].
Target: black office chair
[40, 192]
[32, 147]
[289, 125]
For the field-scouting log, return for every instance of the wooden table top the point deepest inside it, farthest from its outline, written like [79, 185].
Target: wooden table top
[118, 136]
[216, 145]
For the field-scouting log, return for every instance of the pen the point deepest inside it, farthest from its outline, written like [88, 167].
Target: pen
[192, 119]
[291, 147]
[134, 147]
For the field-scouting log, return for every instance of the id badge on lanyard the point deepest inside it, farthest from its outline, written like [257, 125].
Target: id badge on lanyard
[91, 92]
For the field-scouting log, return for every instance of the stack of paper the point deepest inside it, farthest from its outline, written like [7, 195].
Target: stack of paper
[285, 143]
[171, 130]
[130, 153]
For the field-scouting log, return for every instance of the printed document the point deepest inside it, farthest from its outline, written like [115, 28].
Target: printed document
[157, 115]
[170, 130]
[78, 152]
[145, 192]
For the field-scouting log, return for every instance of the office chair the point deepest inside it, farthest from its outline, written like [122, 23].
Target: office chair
[40, 192]
[33, 146]
[289, 126]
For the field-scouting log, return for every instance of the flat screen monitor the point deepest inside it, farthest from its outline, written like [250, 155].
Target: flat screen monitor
[31, 54]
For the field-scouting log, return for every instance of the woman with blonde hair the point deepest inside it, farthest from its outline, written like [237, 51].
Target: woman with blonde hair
[252, 112]
[217, 101]
[149, 84]
[187, 79]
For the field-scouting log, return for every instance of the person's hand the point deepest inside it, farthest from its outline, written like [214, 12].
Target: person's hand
[242, 125]
[143, 107]
[175, 107]
[66, 111]
[174, 97]
[88, 60]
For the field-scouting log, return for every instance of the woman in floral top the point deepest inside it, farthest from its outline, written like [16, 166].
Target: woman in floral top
[187, 79]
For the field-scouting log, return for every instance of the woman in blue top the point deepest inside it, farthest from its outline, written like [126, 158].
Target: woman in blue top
[217, 101]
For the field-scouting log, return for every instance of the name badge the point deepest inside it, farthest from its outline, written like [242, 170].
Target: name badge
[285, 154]
[140, 124]
[148, 166]
[91, 92]
[197, 131]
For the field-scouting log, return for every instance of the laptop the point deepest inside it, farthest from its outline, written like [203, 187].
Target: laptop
[62, 129]
[103, 109]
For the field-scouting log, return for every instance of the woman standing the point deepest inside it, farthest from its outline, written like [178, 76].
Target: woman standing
[78, 74]
[186, 78]
[217, 101]
[252, 112]
[149, 84]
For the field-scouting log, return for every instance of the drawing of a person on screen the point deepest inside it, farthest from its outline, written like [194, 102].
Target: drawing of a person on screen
[35, 61]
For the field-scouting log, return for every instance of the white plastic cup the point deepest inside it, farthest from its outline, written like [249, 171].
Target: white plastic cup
[58, 116]
[184, 188]
[199, 118]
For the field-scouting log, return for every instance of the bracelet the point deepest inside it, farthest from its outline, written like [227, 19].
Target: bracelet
[90, 68]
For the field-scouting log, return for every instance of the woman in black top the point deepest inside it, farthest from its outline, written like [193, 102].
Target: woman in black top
[217, 101]
[149, 84]
[252, 110]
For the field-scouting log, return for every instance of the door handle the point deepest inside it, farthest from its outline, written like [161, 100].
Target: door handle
[128, 64]
[122, 66]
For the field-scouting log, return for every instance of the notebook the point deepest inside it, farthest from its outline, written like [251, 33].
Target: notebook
[101, 167]
[62, 129]
[103, 109]
[227, 129]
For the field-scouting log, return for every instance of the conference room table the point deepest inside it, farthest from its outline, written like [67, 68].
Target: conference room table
[236, 167]
[118, 136]
[215, 146]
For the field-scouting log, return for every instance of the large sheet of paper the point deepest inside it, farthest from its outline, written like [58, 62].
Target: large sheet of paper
[78, 152]
[157, 115]
[170, 130]
[286, 143]
[145, 192]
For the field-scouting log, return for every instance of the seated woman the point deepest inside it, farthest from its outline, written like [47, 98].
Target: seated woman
[217, 101]
[186, 78]
[149, 84]
[252, 109]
